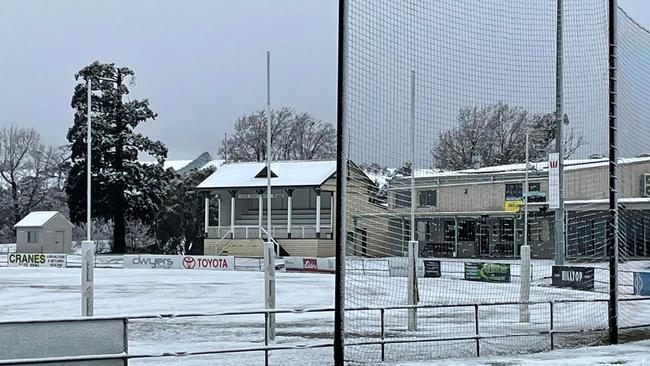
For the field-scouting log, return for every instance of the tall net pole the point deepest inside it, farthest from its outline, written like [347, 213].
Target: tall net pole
[341, 187]
[412, 278]
[559, 140]
[612, 232]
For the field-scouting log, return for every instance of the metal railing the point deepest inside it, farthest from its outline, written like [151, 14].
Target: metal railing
[372, 339]
[278, 231]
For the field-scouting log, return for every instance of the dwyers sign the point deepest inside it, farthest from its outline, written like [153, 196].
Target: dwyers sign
[488, 272]
[579, 278]
[36, 260]
[431, 268]
[642, 283]
[151, 261]
[208, 262]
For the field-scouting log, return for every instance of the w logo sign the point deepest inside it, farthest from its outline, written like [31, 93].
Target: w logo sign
[553, 164]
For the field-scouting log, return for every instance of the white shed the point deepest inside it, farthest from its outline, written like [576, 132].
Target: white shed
[43, 232]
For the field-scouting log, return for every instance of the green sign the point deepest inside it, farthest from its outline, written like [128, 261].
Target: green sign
[487, 272]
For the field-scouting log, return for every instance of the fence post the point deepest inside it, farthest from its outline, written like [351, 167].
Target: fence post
[551, 330]
[478, 341]
[266, 338]
[383, 346]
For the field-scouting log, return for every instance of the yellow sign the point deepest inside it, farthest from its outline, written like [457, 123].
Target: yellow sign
[512, 206]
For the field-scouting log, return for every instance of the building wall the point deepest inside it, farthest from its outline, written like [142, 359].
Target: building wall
[47, 237]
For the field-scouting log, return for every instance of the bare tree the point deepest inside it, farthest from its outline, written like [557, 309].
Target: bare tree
[29, 172]
[497, 134]
[294, 136]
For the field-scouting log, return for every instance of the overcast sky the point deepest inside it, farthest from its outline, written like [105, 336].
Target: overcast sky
[201, 63]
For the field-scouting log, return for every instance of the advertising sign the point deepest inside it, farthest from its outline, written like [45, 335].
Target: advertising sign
[36, 260]
[553, 181]
[578, 278]
[642, 283]
[512, 206]
[487, 272]
[431, 268]
[310, 264]
[152, 261]
[221, 263]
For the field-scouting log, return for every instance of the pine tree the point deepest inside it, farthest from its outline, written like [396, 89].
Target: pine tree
[122, 188]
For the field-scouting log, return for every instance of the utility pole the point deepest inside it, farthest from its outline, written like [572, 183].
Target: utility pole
[412, 277]
[119, 228]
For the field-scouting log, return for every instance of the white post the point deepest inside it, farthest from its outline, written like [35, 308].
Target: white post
[269, 288]
[289, 213]
[524, 291]
[206, 219]
[269, 253]
[412, 287]
[87, 246]
[232, 215]
[87, 275]
[318, 213]
[260, 210]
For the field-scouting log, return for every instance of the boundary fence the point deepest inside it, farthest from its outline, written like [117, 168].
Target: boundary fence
[379, 337]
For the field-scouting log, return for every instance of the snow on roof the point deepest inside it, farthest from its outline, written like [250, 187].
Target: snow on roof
[36, 219]
[290, 174]
[574, 164]
[213, 164]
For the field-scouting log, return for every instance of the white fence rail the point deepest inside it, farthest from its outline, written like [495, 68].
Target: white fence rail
[279, 232]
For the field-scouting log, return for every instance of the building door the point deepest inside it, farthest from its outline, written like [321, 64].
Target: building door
[59, 237]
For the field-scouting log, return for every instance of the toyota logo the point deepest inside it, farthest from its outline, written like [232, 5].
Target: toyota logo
[189, 262]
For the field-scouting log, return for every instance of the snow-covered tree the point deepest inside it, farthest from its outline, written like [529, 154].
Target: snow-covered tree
[496, 134]
[123, 189]
[181, 219]
[294, 136]
[30, 173]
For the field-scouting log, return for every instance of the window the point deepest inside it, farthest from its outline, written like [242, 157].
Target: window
[32, 237]
[428, 199]
[506, 232]
[403, 198]
[466, 230]
[514, 192]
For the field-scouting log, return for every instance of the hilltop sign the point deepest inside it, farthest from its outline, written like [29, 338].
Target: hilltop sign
[577, 278]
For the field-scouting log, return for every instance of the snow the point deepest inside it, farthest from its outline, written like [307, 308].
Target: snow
[54, 293]
[213, 164]
[570, 164]
[289, 174]
[36, 219]
[174, 164]
[632, 354]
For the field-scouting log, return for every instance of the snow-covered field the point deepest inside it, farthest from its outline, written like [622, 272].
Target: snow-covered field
[54, 293]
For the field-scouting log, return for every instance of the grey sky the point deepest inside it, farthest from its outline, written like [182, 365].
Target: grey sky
[201, 63]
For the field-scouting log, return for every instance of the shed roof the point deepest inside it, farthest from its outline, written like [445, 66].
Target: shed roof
[37, 219]
[289, 174]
